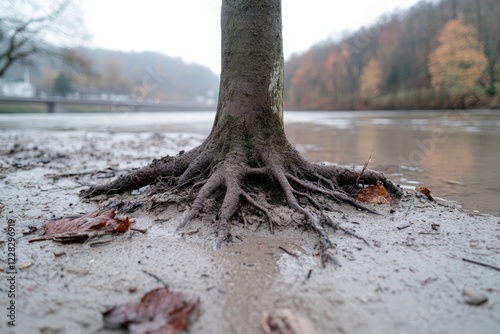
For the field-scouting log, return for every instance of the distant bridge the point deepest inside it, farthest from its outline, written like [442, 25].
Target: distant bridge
[53, 103]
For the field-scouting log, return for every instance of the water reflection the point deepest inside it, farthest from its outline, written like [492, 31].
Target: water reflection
[439, 150]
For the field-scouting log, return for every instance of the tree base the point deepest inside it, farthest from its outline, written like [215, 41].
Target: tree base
[237, 176]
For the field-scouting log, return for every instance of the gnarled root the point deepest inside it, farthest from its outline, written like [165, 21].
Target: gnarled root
[203, 170]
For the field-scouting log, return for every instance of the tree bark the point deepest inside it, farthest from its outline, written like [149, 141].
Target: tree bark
[251, 88]
[252, 61]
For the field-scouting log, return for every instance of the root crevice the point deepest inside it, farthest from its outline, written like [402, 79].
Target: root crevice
[204, 173]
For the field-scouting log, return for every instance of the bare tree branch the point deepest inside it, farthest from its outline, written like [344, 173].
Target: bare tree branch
[24, 34]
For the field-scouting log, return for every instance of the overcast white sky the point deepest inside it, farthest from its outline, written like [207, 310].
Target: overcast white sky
[190, 29]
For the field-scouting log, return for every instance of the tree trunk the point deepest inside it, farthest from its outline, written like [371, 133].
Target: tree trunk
[250, 105]
[454, 9]
[251, 87]
[247, 146]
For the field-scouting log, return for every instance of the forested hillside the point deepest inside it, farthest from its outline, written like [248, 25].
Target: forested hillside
[103, 73]
[442, 54]
[147, 74]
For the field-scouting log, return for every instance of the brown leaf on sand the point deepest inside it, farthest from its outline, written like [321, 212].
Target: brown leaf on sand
[159, 311]
[285, 321]
[425, 191]
[375, 194]
[79, 228]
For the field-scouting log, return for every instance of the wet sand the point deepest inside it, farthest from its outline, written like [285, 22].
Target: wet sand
[408, 280]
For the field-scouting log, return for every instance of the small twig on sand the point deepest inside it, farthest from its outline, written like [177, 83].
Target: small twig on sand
[105, 173]
[243, 218]
[352, 234]
[138, 229]
[364, 167]
[430, 233]
[335, 226]
[409, 208]
[165, 285]
[481, 264]
[403, 227]
[192, 231]
[258, 225]
[287, 251]
[58, 176]
[99, 242]
[309, 273]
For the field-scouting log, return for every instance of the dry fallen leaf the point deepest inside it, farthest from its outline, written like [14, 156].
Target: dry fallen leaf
[70, 228]
[285, 321]
[375, 194]
[159, 311]
[425, 191]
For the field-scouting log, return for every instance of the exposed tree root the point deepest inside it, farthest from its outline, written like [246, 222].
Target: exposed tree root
[209, 171]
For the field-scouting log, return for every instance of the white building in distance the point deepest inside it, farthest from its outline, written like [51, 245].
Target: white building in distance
[18, 88]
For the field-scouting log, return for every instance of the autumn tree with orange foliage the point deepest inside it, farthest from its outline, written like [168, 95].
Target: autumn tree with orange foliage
[370, 80]
[329, 75]
[459, 60]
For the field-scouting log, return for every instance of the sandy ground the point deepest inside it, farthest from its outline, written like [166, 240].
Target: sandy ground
[409, 280]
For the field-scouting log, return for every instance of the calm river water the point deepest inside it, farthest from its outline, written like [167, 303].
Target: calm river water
[456, 154]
